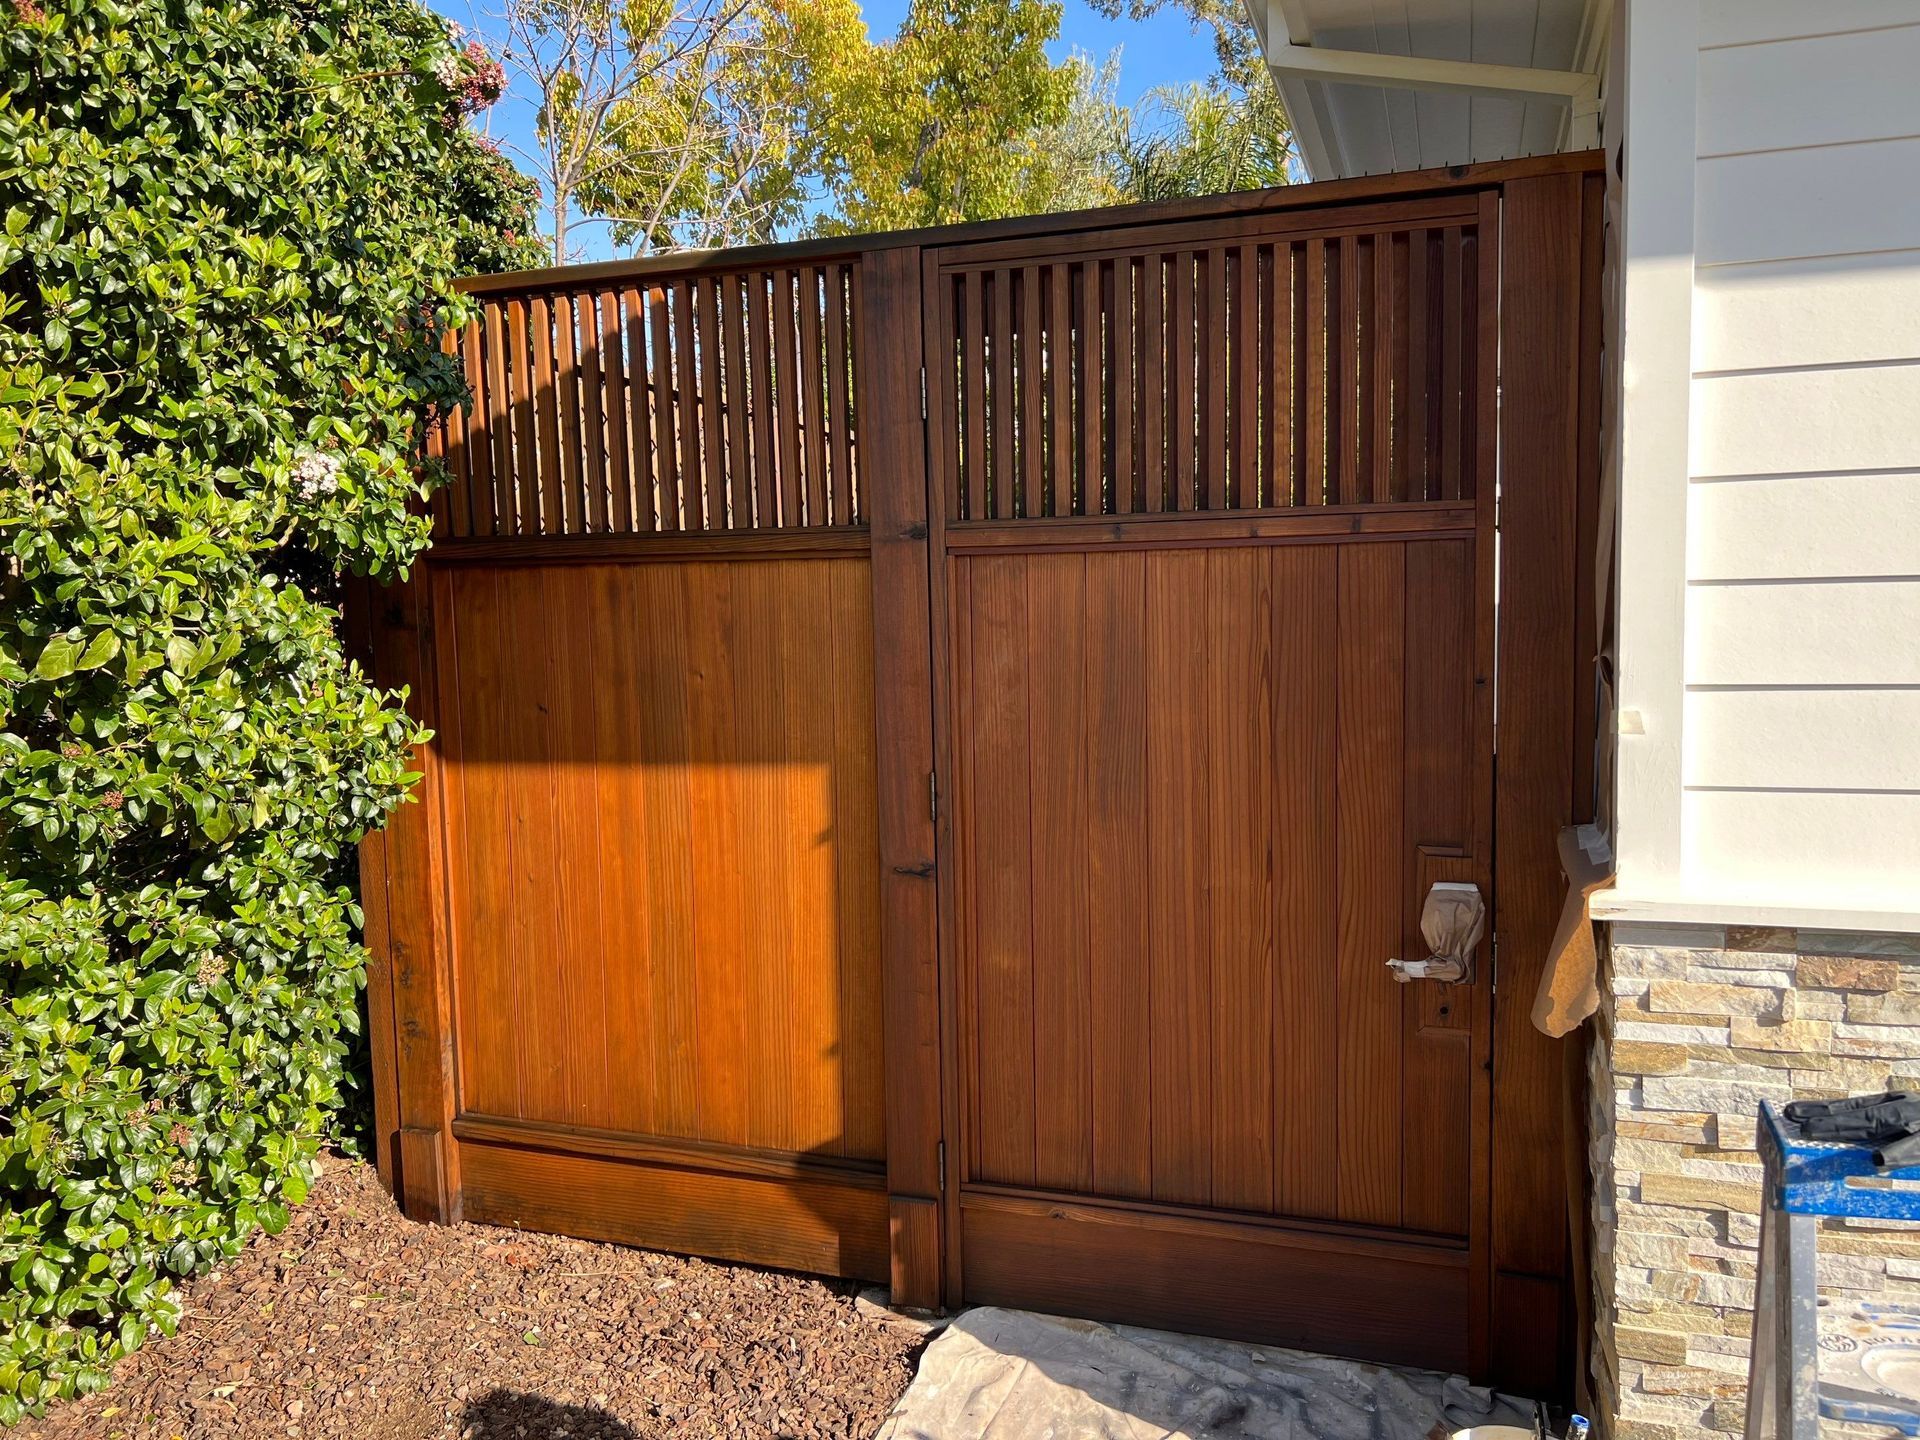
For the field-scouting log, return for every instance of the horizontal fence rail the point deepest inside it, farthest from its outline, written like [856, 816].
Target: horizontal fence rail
[1186, 373]
[699, 403]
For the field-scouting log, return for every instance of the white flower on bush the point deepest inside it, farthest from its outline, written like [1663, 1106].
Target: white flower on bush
[315, 474]
[446, 69]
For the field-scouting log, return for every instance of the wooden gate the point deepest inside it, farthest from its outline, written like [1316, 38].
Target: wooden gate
[938, 740]
[1218, 713]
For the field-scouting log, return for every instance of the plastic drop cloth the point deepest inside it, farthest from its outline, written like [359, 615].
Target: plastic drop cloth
[998, 1374]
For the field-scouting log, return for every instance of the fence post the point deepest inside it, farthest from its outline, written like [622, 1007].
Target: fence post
[894, 470]
[409, 980]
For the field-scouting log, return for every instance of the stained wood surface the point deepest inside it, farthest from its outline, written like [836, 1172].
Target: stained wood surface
[662, 849]
[965, 850]
[1165, 375]
[711, 402]
[1190, 783]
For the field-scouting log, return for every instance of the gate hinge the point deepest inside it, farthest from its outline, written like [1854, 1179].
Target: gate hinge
[933, 797]
[1494, 979]
[923, 392]
[940, 1159]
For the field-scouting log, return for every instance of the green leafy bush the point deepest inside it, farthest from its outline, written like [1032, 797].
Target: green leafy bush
[227, 229]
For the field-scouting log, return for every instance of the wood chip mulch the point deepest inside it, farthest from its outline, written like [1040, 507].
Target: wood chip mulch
[356, 1322]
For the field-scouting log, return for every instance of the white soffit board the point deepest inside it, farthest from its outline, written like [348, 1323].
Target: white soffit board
[1352, 128]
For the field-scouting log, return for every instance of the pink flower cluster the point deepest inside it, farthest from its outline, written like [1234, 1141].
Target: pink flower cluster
[484, 81]
[28, 12]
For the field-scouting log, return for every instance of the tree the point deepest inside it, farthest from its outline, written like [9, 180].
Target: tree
[1229, 133]
[1204, 140]
[228, 233]
[680, 123]
[939, 124]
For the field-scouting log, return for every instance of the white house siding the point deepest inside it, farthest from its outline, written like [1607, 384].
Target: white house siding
[1801, 756]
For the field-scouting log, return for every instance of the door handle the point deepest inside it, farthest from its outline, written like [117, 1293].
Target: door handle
[1452, 921]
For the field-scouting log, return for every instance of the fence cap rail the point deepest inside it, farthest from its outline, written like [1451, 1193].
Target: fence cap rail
[844, 248]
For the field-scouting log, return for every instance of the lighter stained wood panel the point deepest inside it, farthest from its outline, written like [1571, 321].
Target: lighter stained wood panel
[662, 850]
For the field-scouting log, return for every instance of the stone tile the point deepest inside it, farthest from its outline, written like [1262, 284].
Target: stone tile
[1850, 942]
[1884, 1009]
[1687, 998]
[1691, 1193]
[1664, 1030]
[1642, 1058]
[1662, 1347]
[1846, 972]
[1803, 1036]
[1769, 939]
[1656, 935]
[1698, 1093]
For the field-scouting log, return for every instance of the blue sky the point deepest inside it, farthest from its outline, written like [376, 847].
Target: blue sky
[1165, 50]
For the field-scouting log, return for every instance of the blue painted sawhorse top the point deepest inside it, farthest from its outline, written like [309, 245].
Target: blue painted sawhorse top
[1861, 1360]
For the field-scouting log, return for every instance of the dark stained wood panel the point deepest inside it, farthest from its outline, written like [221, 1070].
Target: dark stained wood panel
[662, 850]
[1184, 815]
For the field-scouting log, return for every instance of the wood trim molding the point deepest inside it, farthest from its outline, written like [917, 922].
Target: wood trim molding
[660, 1150]
[821, 544]
[1199, 527]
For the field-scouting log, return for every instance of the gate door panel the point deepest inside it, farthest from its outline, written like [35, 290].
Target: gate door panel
[1217, 629]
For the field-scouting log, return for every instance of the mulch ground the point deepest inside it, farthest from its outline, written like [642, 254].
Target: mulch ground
[356, 1322]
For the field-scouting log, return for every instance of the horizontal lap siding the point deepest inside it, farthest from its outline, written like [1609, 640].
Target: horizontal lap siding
[1804, 517]
[662, 849]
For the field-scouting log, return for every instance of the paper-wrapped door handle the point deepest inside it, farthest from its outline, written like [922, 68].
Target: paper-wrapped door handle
[1452, 921]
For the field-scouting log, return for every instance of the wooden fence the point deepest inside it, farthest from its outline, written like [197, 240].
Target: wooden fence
[938, 734]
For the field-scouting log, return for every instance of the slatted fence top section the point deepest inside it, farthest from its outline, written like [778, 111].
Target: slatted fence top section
[1322, 358]
[711, 401]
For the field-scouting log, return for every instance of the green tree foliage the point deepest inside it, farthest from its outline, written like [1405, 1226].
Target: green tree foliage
[228, 232]
[681, 123]
[1230, 132]
[945, 122]
[1203, 140]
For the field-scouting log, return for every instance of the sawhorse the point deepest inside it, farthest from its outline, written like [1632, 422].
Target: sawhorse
[1803, 1181]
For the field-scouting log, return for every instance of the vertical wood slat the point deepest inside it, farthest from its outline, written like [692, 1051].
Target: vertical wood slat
[1455, 335]
[766, 495]
[713, 468]
[1313, 476]
[1153, 381]
[686, 419]
[499, 418]
[1090, 484]
[640, 411]
[1033, 396]
[1211, 343]
[520, 388]
[1385, 333]
[1344, 316]
[479, 428]
[1123, 339]
[812, 397]
[838, 412]
[1001, 404]
[1420, 359]
[1243, 491]
[1059, 390]
[566, 399]
[786, 415]
[1181, 383]
[973, 397]
[613, 370]
[666, 446]
[593, 422]
[739, 456]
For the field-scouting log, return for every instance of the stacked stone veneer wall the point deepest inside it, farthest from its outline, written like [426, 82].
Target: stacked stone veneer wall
[1698, 1025]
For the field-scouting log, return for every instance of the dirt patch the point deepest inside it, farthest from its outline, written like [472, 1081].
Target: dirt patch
[356, 1322]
